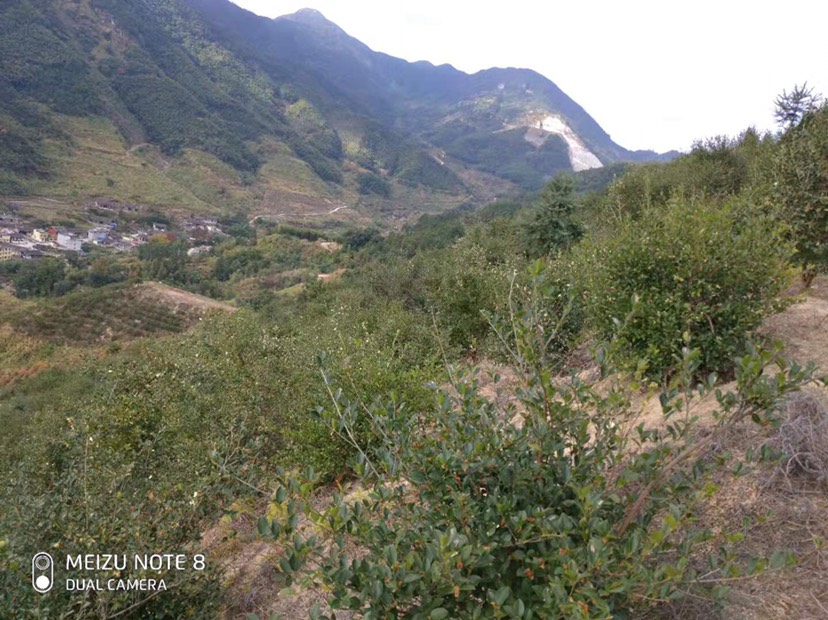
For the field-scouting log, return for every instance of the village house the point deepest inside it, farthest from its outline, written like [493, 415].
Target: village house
[40, 235]
[8, 235]
[69, 241]
[9, 251]
[200, 228]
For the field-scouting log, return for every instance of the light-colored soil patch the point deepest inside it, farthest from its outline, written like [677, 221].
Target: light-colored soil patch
[803, 328]
[331, 246]
[182, 301]
[327, 277]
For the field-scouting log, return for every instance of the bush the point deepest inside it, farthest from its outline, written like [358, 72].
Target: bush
[244, 260]
[164, 437]
[466, 513]
[700, 271]
[39, 278]
[551, 228]
[373, 184]
[548, 296]
[801, 175]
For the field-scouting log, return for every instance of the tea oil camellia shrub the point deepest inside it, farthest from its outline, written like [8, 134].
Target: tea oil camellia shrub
[144, 451]
[556, 508]
[699, 270]
[800, 189]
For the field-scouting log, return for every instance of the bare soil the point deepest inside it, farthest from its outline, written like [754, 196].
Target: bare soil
[182, 301]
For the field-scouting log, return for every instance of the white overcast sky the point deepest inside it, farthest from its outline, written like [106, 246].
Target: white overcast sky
[654, 74]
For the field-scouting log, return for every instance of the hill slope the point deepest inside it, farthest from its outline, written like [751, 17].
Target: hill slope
[201, 103]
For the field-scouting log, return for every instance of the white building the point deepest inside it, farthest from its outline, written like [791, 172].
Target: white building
[69, 241]
[9, 235]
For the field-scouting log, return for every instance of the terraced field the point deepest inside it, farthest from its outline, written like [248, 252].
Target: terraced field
[113, 313]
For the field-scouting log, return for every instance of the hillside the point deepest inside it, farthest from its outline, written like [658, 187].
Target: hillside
[200, 105]
[780, 508]
[114, 313]
[646, 451]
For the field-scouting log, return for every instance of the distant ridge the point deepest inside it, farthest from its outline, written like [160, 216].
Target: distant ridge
[257, 94]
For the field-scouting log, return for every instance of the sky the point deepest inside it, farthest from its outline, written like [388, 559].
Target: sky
[654, 74]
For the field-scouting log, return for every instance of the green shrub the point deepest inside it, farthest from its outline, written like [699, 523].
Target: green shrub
[698, 269]
[464, 513]
[800, 180]
[547, 296]
[243, 260]
[716, 169]
[39, 278]
[162, 438]
[369, 183]
[551, 228]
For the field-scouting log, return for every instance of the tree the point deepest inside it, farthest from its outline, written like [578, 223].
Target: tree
[792, 107]
[800, 188]
[698, 268]
[163, 259]
[551, 227]
[39, 277]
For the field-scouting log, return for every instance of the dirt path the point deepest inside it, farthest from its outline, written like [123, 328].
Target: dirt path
[132, 149]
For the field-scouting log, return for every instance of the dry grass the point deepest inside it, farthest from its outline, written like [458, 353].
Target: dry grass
[802, 438]
[784, 501]
[253, 580]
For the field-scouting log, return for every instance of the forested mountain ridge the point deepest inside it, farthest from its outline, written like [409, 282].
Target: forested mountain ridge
[284, 109]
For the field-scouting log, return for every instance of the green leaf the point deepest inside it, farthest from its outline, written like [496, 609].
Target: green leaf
[439, 614]
[778, 559]
[501, 595]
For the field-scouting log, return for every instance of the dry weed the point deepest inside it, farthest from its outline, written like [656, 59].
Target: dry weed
[802, 438]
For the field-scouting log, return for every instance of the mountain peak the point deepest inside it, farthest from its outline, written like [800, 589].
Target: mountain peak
[316, 22]
[308, 16]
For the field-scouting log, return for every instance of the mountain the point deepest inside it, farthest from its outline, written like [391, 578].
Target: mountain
[199, 104]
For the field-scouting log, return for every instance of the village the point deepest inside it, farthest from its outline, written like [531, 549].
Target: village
[23, 238]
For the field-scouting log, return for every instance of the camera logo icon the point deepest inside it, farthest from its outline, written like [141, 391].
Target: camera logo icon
[43, 572]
